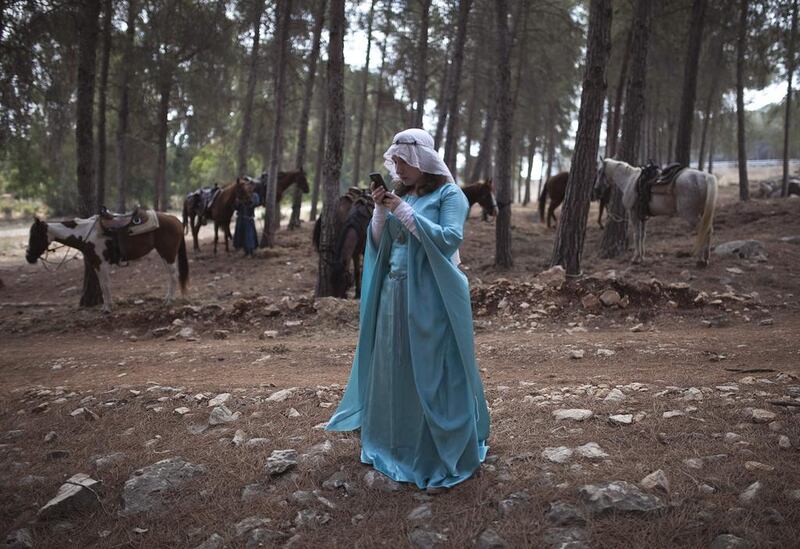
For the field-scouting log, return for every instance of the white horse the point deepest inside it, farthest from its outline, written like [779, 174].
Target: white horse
[693, 196]
[95, 239]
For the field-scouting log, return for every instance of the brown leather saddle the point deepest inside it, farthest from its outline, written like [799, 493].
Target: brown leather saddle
[654, 180]
[119, 227]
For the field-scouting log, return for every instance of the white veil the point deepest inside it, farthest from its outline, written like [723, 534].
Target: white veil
[415, 147]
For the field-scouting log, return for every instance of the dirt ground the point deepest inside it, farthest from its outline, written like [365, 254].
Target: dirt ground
[708, 345]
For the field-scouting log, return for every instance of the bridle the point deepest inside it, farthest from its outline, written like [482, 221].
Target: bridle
[47, 264]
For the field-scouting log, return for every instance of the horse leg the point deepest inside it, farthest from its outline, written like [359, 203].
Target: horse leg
[216, 236]
[172, 273]
[227, 231]
[637, 258]
[600, 215]
[357, 273]
[642, 238]
[551, 214]
[105, 286]
[195, 230]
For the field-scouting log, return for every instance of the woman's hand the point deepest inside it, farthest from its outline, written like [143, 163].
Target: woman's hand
[385, 198]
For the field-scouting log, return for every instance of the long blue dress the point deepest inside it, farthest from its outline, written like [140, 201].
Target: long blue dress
[414, 389]
[245, 234]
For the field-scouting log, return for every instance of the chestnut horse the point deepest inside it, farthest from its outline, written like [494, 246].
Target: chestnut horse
[101, 247]
[556, 188]
[482, 192]
[285, 179]
[223, 207]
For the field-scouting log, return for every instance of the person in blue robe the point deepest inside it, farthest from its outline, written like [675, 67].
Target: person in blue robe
[244, 235]
[414, 388]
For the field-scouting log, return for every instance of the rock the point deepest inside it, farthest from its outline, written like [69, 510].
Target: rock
[378, 481]
[692, 393]
[319, 449]
[615, 395]
[221, 334]
[291, 412]
[214, 541]
[554, 277]
[104, 462]
[577, 354]
[280, 396]
[281, 461]
[269, 334]
[758, 415]
[784, 442]
[750, 493]
[159, 332]
[310, 518]
[672, 413]
[743, 249]
[618, 495]
[605, 352]
[182, 411]
[566, 538]
[421, 512]
[793, 494]
[19, 539]
[773, 516]
[591, 450]
[621, 419]
[490, 539]
[576, 414]
[656, 479]
[336, 480]
[219, 400]
[560, 513]
[610, 298]
[250, 523]
[758, 466]
[50, 437]
[637, 328]
[560, 454]
[253, 492]
[79, 492]
[590, 302]
[729, 541]
[148, 488]
[776, 426]
[239, 437]
[256, 442]
[263, 537]
[187, 333]
[732, 437]
[221, 415]
[425, 538]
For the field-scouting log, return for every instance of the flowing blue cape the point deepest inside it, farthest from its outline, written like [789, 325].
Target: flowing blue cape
[439, 311]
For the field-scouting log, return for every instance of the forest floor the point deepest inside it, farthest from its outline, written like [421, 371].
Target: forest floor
[693, 360]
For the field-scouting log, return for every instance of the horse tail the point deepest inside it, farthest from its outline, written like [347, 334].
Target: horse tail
[183, 265]
[707, 223]
[542, 201]
[186, 216]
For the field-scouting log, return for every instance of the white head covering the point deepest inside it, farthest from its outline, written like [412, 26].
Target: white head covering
[415, 146]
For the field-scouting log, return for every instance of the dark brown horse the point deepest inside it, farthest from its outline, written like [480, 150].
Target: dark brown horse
[195, 211]
[224, 205]
[99, 240]
[482, 192]
[353, 214]
[285, 179]
[556, 188]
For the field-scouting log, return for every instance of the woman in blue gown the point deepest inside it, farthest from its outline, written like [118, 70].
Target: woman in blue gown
[414, 389]
[245, 235]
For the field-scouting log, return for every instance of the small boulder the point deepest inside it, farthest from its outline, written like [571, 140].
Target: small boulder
[619, 495]
[610, 298]
[656, 479]
[77, 493]
[281, 461]
[576, 414]
[148, 488]
[221, 415]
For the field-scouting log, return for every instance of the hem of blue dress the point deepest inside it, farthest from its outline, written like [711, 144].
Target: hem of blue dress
[397, 474]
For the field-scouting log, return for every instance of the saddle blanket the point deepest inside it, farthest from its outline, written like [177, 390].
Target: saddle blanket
[150, 224]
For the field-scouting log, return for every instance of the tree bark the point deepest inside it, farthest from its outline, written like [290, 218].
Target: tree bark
[379, 92]
[333, 147]
[87, 17]
[100, 173]
[451, 142]
[790, 66]
[422, 62]
[362, 103]
[271, 210]
[744, 188]
[441, 102]
[305, 114]
[568, 245]
[623, 76]
[502, 181]
[124, 108]
[683, 144]
[615, 236]
[252, 79]
[526, 199]
[323, 127]
[164, 91]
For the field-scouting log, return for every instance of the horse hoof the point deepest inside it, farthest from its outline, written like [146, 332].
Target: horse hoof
[702, 263]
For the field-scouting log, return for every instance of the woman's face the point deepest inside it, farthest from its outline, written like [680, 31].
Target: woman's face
[408, 173]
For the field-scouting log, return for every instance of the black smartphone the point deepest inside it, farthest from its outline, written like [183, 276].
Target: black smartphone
[377, 178]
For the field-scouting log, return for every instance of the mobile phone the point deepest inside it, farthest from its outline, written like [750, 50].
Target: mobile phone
[377, 178]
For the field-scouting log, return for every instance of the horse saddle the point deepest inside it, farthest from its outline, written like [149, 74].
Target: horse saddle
[111, 221]
[666, 178]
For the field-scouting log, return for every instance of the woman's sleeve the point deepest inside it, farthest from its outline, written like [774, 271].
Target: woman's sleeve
[377, 223]
[448, 234]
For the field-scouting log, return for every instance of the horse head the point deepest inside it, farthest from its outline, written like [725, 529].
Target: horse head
[38, 241]
[487, 200]
[601, 184]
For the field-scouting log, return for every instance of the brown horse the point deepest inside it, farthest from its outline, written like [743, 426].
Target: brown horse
[285, 179]
[482, 192]
[556, 188]
[353, 214]
[195, 210]
[223, 207]
[100, 241]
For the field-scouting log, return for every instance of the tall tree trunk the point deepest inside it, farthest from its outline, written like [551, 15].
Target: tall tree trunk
[615, 236]
[305, 114]
[87, 15]
[711, 131]
[623, 76]
[124, 109]
[483, 161]
[379, 92]
[252, 79]
[526, 199]
[744, 188]
[568, 245]
[502, 180]
[272, 209]
[710, 99]
[323, 129]
[790, 66]
[441, 101]
[333, 147]
[164, 91]
[451, 144]
[362, 103]
[100, 173]
[683, 142]
[422, 62]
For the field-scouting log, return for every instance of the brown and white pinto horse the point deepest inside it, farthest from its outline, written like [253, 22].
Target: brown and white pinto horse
[101, 248]
[482, 192]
